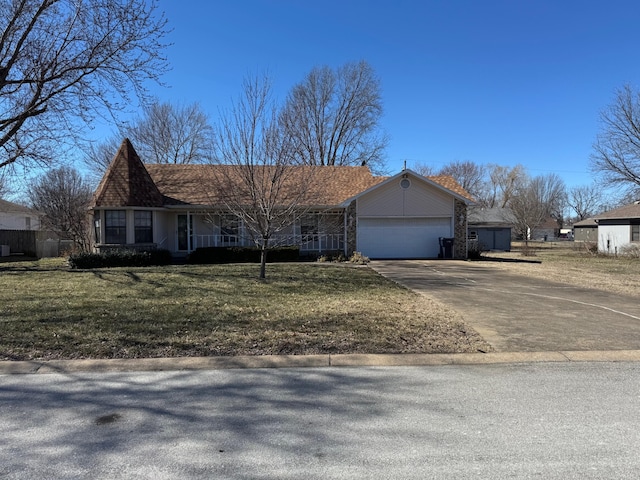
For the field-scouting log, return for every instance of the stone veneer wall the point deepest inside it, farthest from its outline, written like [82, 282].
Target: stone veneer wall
[460, 230]
[350, 213]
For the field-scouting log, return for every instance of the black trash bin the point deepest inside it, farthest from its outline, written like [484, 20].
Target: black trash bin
[446, 247]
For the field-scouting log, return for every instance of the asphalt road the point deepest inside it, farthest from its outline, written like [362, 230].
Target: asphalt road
[516, 313]
[544, 420]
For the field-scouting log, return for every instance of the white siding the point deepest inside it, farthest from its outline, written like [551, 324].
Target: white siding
[164, 230]
[18, 221]
[613, 238]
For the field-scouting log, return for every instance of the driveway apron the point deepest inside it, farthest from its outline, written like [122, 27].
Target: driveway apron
[516, 313]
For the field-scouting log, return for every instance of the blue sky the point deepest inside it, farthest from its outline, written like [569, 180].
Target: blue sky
[506, 82]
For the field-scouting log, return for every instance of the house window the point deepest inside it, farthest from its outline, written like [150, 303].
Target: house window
[143, 226]
[115, 226]
[635, 233]
[27, 223]
[229, 229]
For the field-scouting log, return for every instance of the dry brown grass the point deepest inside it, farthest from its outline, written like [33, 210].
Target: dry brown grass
[49, 311]
[571, 263]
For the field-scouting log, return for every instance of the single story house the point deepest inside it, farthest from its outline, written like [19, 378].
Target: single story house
[174, 207]
[18, 217]
[548, 230]
[586, 231]
[490, 229]
[619, 229]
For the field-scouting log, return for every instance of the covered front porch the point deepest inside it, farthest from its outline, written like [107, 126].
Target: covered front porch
[314, 233]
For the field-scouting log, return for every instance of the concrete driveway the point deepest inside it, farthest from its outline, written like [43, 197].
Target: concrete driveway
[515, 313]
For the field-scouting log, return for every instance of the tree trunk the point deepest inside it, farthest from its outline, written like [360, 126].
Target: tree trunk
[263, 260]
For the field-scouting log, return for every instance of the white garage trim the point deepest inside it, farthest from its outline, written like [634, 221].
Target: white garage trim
[402, 237]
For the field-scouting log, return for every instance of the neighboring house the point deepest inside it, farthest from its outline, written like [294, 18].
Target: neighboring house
[586, 231]
[172, 207]
[549, 230]
[17, 217]
[619, 229]
[490, 228]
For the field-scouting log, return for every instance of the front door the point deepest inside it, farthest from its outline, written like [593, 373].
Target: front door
[185, 232]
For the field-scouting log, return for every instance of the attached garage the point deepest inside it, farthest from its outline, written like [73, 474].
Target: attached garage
[406, 215]
[402, 237]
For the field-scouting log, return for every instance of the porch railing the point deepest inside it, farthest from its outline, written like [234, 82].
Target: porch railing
[307, 243]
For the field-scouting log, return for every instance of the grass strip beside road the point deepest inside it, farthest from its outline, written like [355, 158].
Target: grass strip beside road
[51, 312]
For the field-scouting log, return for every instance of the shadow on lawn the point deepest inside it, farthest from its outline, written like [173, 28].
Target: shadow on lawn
[22, 265]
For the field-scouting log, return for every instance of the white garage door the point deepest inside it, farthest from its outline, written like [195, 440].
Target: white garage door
[401, 237]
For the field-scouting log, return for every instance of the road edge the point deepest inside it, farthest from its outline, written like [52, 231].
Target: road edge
[307, 361]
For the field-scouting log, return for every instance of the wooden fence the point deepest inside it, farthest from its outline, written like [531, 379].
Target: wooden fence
[34, 243]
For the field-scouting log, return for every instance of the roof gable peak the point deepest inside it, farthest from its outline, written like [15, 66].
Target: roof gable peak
[126, 183]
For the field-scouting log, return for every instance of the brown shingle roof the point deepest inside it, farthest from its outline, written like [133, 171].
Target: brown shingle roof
[587, 222]
[126, 182]
[628, 211]
[10, 207]
[196, 184]
[448, 182]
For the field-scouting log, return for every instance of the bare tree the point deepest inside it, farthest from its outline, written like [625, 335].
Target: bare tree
[617, 148]
[165, 133]
[258, 182]
[5, 188]
[585, 200]
[469, 175]
[503, 183]
[537, 200]
[63, 196]
[169, 133]
[98, 156]
[65, 61]
[333, 117]
[423, 169]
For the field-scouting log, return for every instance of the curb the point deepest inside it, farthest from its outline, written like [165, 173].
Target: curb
[306, 361]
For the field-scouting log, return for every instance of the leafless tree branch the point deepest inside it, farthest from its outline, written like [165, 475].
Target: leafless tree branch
[62, 61]
[258, 182]
[616, 154]
[63, 196]
[333, 117]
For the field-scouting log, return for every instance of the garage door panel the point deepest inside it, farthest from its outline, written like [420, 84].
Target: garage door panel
[402, 237]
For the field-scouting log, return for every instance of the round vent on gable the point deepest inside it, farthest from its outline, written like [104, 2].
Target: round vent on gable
[405, 183]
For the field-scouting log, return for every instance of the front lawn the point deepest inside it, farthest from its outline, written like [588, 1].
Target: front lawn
[49, 311]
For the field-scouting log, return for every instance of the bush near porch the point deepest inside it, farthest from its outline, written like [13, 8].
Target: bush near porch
[217, 255]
